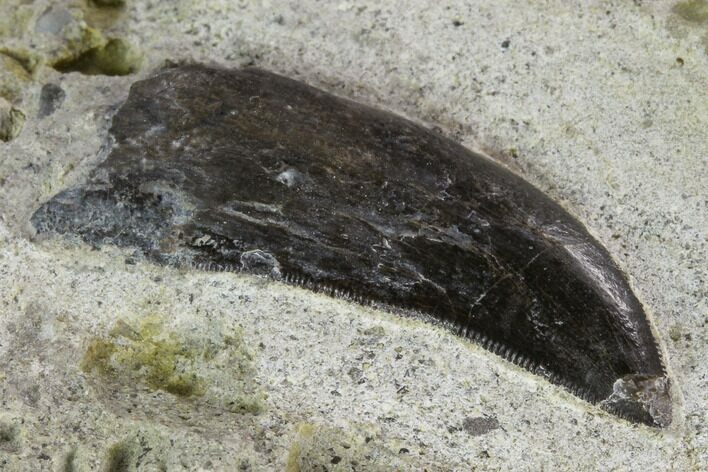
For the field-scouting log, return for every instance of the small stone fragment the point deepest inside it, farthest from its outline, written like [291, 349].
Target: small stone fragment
[480, 425]
[11, 121]
[675, 333]
[116, 57]
[13, 77]
[29, 61]
[50, 98]
[53, 20]
[377, 331]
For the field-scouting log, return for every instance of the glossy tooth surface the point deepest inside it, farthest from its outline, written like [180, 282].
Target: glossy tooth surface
[250, 171]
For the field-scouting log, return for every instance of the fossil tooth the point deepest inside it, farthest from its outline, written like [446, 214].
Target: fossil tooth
[209, 165]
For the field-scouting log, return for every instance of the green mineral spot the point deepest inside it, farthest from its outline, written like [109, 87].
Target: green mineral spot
[214, 366]
[694, 11]
[116, 57]
[149, 354]
[376, 331]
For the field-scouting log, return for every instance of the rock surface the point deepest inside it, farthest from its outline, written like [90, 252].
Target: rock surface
[603, 106]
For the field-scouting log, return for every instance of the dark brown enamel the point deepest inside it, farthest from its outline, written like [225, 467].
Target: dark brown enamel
[249, 170]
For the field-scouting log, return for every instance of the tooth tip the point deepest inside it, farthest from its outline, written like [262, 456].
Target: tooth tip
[641, 398]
